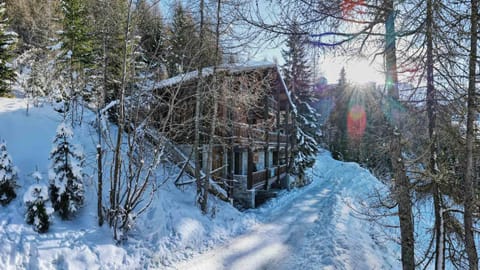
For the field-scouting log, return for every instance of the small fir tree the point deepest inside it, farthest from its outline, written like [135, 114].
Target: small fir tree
[8, 176]
[7, 42]
[306, 134]
[36, 201]
[66, 179]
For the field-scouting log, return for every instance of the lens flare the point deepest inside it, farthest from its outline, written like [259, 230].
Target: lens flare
[348, 6]
[356, 122]
[394, 112]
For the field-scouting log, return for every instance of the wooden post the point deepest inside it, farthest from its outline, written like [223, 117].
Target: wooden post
[287, 133]
[267, 139]
[278, 138]
[250, 168]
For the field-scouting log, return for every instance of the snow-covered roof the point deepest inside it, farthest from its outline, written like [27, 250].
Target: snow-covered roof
[232, 68]
[207, 71]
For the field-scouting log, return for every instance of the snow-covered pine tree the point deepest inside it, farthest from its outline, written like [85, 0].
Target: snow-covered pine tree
[297, 77]
[7, 42]
[38, 209]
[66, 179]
[8, 176]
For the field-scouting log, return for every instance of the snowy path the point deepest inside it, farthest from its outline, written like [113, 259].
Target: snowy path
[311, 228]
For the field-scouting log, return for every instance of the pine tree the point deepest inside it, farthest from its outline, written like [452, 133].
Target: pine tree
[297, 77]
[338, 118]
[109, 24]
[36, 201]
[8, 176]
[66, 179]
[183, 41]
[77, 44]
[76, 52]
[153, 33]
[7, 41]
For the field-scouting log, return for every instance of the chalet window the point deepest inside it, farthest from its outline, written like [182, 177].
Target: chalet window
[275, 157]
[238, 163]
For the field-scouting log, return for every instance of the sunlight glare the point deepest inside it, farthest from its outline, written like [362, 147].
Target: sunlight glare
[358, 70]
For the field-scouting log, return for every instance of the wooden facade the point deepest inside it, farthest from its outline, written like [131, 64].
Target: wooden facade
[252, 138]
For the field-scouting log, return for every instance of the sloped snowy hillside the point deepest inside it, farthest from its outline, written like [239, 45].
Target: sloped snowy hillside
[171, 230]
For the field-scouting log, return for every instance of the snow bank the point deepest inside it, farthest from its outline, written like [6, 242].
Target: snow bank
[316, 227]
[172, 229]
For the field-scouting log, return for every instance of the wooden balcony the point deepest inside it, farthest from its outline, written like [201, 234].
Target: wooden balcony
[260, 177]
[242, 132]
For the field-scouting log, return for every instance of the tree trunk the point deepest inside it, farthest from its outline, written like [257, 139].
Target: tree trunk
[198, 92]
[117, 162]
[99, 176]
[433, 166]
[402, 185]
[471, 116]
[215, 89]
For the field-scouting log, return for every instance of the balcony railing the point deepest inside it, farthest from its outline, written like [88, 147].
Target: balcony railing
[259, 177]
[243, 131]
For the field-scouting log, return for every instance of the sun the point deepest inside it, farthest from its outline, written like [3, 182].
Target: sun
[358, 70]
[361, 71]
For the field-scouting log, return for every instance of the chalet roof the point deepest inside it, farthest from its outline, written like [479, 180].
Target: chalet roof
[234, 68]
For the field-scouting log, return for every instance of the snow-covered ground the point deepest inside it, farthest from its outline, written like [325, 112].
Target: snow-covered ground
[311, 228]
[317, 227]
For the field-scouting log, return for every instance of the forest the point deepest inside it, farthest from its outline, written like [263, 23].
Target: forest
[417, 132]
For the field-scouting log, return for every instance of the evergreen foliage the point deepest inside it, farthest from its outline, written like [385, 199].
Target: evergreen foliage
[66, 179]
[297, 77]
[7, 42]
[76, 54]
[153, 35]
[183, 41]
[77, 44]
[38, 212]
[183, 52]
[8, 176]
[338, 118]
[109, 26]
[34, 21]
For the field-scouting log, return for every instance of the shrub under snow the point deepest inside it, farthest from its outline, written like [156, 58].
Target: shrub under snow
[38, 212]
[8, 176]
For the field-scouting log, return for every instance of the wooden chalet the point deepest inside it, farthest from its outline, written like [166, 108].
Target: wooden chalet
[252, 142]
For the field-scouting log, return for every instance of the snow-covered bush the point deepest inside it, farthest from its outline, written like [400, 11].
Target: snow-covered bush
[66, 179]
[8, 176]
[38, 210]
